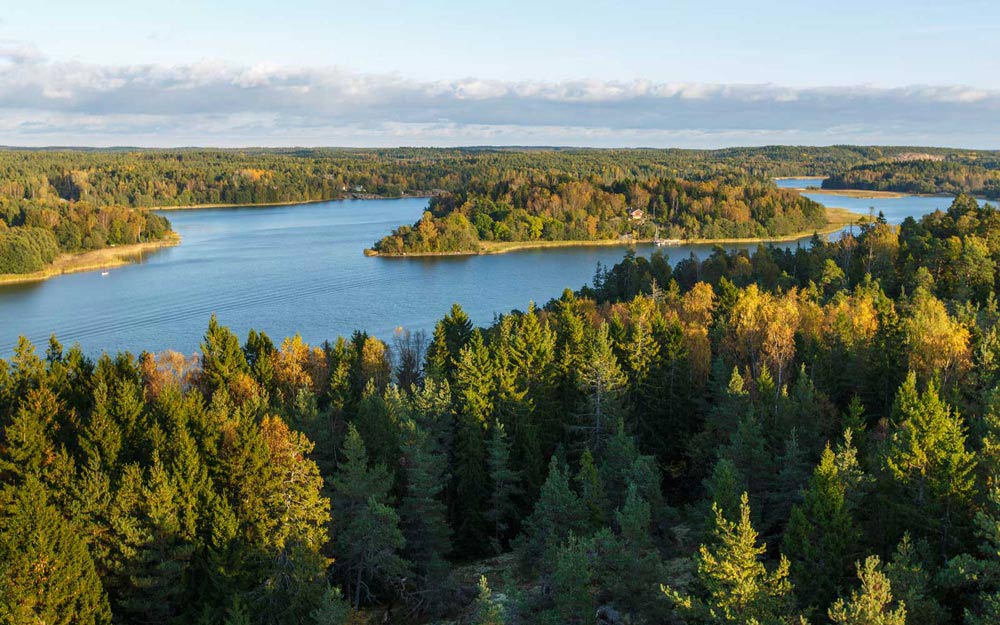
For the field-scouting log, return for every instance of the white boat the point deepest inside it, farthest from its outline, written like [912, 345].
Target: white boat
[104, 273]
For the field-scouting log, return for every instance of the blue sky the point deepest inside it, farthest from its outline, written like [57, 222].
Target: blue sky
[698, 74]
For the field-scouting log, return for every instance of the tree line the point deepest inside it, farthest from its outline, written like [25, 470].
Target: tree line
[34, 232]
[586, 210]
[776, 437]
[976, 176]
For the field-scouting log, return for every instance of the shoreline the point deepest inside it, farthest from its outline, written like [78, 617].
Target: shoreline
[837, 219]
[863, 194]
[104, 258]
[353, 196]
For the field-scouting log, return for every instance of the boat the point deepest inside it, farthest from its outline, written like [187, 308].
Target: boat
[104, 273]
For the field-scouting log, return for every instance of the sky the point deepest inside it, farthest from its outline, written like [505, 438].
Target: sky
[444, 72]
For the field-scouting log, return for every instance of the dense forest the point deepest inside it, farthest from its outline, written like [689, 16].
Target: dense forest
[61, 200]
[976, 176]
[583, 210]
[150, 178]
[34, 232]
[771, 438]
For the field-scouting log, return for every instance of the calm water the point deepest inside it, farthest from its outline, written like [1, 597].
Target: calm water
[301, 269]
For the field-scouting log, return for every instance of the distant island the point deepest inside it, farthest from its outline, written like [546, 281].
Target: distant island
[922, 174]
[588, 213]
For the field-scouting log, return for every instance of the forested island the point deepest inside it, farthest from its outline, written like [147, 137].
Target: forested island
[923, 174]
[767, 437]
[584, 210]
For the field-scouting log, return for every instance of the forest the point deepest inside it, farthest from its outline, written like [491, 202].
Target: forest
[34, 232]
[776, 437]
[147, 178]
[715, 208]
[64, 200]
[929, 176]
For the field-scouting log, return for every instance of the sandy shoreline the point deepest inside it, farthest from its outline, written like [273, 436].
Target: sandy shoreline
[91, 261]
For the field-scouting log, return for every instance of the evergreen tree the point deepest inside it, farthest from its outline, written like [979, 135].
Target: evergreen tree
[46, 572]
[450, 336]
[602, 382]
[558, 513]
[822, 535]
[873, 604]
[504, 487]
[487, 610]
[222, 358]
[735, 586]
[930, 466]
[423, 515]
[474, 378]
[368, 541]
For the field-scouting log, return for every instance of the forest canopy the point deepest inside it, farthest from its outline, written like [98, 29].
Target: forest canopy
[34, 232]
[923, 175]
[716, 208]
[764, 436]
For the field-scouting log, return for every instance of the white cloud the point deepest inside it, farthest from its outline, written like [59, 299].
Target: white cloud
[44, 101]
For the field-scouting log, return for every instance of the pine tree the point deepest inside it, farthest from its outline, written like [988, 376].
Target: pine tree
[487, 610]
[46, 573]
[873, 604]
[735, 585]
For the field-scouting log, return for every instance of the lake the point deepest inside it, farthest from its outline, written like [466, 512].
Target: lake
[288, 269]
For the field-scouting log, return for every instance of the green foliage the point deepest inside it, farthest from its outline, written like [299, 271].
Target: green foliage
[366, 528]
[488, 611]
[872, 604]
[822, 534]
[735, 586]
[46, 572]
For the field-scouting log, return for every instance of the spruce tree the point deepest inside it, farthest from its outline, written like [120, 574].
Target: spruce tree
[602, 382]
[46, 572]
[368, 541]
[222, 358]
[558, 513]
[504, 487]
[423, 514]
[822, 536]
[474, 380]
[932, 471]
